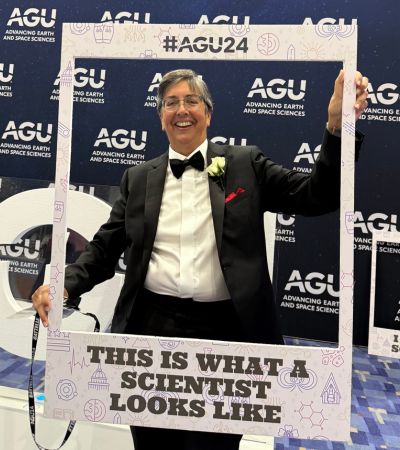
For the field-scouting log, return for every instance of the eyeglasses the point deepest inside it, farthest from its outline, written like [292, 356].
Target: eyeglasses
[189, 101]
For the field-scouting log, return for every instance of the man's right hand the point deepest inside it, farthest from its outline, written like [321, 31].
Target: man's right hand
[42, 304]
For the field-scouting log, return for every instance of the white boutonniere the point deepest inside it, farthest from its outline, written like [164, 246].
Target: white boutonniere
[217, 167]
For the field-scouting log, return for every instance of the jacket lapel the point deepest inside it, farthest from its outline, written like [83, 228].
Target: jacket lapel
[217, 193]
[154, 192]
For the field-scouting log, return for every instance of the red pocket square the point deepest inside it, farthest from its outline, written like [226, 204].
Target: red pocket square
[232, 195]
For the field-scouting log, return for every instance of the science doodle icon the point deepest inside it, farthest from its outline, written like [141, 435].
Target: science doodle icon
[66, 390]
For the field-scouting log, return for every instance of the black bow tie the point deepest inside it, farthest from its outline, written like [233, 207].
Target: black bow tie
[178, 166]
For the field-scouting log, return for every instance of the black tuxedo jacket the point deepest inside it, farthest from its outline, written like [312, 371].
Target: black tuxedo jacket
[238, 225]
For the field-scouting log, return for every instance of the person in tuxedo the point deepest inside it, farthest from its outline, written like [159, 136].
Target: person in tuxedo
[191, 225]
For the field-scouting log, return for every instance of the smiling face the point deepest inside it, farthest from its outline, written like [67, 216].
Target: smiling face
[186, 128]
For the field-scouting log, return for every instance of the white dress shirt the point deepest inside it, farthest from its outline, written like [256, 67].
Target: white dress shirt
[184, 262]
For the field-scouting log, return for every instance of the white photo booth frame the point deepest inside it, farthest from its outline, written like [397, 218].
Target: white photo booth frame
[381, 341]
[301, 391]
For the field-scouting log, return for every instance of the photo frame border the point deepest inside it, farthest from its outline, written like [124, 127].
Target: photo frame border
[329, 367]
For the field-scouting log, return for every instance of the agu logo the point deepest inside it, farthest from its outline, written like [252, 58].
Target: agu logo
[121, 139]
[82, 77]
[229, 141]
[375, 222]
[33, 17]
[285, 225]
[305, 154]
[125, 17]
[286, 220]
[223, 19]
[155, 82]
[278, 88]
[28, 131]
[329, 21]
[385, 94]
[314, 283]
[6, 73]
[21, 249]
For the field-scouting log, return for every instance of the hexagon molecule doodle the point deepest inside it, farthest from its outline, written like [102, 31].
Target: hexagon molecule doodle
[347, 280]
[315, 417]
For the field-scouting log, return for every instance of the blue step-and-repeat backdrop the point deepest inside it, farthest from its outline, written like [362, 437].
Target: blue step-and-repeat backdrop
[279, 106]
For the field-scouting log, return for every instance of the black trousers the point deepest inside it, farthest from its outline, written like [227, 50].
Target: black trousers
[167, 316]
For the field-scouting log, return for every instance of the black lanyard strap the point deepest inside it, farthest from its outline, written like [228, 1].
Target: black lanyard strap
[31, 396]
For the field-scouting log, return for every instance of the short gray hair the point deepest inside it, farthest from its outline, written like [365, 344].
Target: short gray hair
[194, 81]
